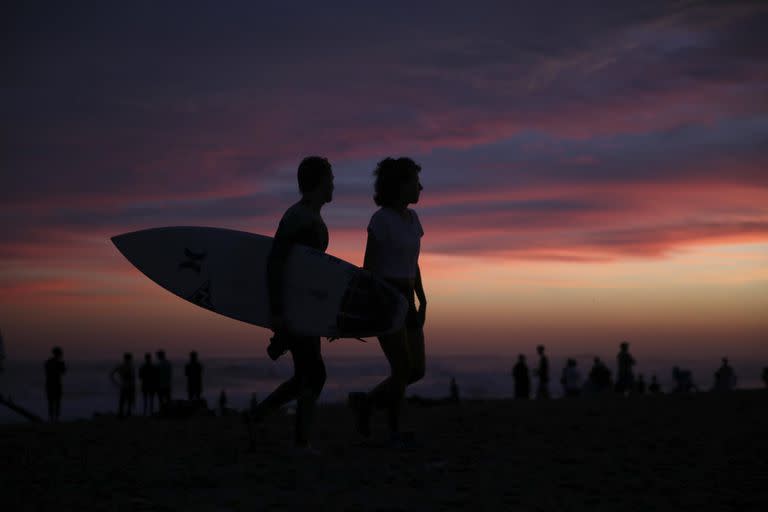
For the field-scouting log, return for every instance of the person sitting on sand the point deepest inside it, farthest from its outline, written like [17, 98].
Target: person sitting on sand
[624, 377]
[654, 388]
[683, 380]
[124, 376]
[640, 385]
[148, 384]
[725, 377]
[301, 224]
[522, 379]
[542, 372]
[571, 379]
[392, 253]
[164, 379]
[194, 373]
[599, 376]
[54, 371]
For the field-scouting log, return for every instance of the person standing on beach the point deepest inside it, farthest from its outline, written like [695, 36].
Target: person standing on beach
[571, 379]
[54, 371]
[164, 379]
[522, 379]
[301, 224]
[725, 377]
[654, 388]
[454, 391]
[148, 384]
[2, 352]
[392, 253]
[625, 379]
[542, 372]
[194, 373]
[124, 376]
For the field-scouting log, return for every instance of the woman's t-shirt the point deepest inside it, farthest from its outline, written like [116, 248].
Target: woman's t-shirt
[395, 242]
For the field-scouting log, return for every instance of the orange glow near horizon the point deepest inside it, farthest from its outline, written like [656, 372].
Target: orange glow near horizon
[702, 297]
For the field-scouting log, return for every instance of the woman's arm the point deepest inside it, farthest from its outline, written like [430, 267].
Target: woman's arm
[419, 288]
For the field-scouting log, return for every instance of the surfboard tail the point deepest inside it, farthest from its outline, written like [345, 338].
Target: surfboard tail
[370, 306]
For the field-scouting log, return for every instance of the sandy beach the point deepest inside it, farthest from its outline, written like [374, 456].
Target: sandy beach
[693, 452]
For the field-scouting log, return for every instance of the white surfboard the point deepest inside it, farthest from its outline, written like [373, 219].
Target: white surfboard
[225, 271]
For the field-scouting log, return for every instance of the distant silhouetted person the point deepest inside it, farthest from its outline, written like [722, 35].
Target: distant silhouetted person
[148, 378]
[725, 377]
[392, 253]
[194, 373]
[301, 224]
[2, 352]
[54, 371]
[454, 391]
[542, 372]
[223, 402]
[599, 376]
[164, 379]
[625, 378]
[522, 379]
[571, 379]
[124, 376]
[683, 380]
[640, 385]
[654, 387]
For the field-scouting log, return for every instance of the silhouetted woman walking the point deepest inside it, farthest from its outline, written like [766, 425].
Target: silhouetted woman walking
[392, 253]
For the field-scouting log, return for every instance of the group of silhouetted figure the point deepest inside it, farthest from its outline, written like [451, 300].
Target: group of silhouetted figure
[600, 378]
[155, 379]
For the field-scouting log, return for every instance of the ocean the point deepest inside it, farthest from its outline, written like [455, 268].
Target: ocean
[88, 389]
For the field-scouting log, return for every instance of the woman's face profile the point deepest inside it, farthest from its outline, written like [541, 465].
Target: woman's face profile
[411, 189]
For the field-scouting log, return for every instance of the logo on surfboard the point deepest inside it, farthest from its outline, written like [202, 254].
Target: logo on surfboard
[194, 260]
[202, 296]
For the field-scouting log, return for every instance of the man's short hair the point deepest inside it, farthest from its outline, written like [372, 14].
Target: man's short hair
[312, 171]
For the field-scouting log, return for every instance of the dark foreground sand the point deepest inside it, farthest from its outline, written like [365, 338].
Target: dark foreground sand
[698, 452]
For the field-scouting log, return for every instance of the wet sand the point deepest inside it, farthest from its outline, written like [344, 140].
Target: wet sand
[697, 452]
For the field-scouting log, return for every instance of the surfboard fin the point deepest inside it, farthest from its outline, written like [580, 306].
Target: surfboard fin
[334, 338]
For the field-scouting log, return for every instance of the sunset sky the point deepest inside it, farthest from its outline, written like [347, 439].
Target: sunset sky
[593, 171]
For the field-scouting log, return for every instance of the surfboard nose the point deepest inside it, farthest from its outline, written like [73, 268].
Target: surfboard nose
[123, 241]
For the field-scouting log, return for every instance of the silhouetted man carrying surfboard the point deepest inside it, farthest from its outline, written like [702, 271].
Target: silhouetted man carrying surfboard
[301, 224]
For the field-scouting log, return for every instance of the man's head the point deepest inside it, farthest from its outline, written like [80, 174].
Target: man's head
[540, 349]
[160, 354]
[127, 357]
[193, 356]
[315, 177]
[148, 357]
[57, 352]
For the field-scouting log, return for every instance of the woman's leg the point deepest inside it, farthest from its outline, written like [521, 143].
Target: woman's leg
[390, 392]
[417, 354]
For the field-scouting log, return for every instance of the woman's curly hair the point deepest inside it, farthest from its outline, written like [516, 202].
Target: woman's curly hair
[390, 174]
